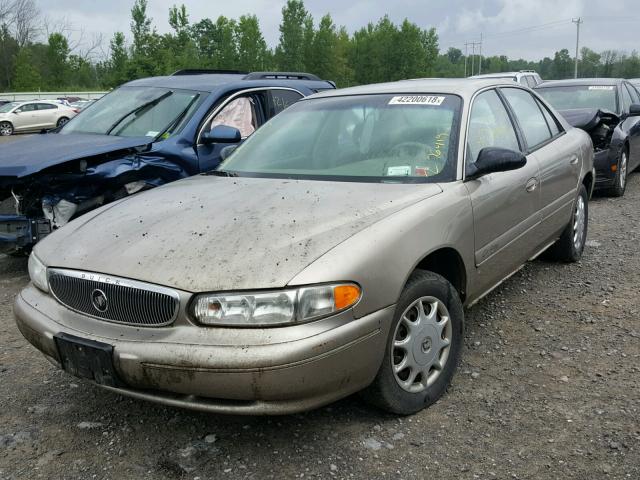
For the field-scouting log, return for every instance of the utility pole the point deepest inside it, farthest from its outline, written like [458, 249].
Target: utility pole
[480, 61]
[577, 21]
[466, 54]
[473, 55]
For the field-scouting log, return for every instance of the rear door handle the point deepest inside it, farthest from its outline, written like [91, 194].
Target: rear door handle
[532, 184]
[574, 160]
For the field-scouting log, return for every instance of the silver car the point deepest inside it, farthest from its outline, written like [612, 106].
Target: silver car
[33, 116]
[332, 252]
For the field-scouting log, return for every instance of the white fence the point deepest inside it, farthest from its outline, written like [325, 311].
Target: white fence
[23, 96]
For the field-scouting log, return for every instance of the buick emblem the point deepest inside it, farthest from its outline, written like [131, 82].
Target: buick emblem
[99, 300]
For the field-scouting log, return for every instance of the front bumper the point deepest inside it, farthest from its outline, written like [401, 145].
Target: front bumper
[18, 232]
[240, 371]
[603, 160]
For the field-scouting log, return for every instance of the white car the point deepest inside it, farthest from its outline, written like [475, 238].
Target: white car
[528, 78]
[33, 116]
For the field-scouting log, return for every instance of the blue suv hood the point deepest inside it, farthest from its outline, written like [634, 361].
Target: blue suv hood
[30, 155]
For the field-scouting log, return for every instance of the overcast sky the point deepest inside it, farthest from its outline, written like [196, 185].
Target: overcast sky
[530, 29]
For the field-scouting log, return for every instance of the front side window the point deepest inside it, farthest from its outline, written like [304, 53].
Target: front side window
[633, 92]
[489, 126]
[568, 97]
[239, 113]
[530, 118]
[29, 107]
[368, 138]
[138, 112]
[626, 98]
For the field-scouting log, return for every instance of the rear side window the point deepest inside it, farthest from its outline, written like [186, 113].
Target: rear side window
[551, 120]
[45, 106]
[278, 100]
[489, 126]
[523, 81]
[530, 118]
[531, 81]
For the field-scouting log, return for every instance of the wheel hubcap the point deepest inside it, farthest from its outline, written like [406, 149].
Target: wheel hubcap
[421, 344]
[623, 170]
[5, 129]
[579, 223]
[62, 121]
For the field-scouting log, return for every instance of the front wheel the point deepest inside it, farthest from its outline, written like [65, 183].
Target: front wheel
[62, 121]
[6, 129]
[423, 348]
[570, 245]
[620, 182]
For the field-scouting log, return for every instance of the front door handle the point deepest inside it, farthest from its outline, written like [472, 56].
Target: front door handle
[574, 160]
[532, 184]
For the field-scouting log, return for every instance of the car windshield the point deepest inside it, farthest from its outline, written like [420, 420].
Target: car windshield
[372, 138]
[6, 108]
[569, 97]
[137, 112]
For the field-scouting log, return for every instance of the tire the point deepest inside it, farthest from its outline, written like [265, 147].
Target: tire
[570, 245]
[61, 121]
[620, 182]
[439, 298]
[6, 129]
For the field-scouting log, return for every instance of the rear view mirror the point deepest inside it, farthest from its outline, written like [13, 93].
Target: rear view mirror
[634, 110]
[221, 134]
[492, 159]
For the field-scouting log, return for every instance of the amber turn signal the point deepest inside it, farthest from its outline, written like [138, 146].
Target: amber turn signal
[345, 295]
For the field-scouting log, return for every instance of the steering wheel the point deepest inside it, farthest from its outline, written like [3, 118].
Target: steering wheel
[413, 150]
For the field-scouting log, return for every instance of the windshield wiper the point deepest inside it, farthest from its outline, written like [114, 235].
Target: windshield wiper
[221, 173]
[178, 119]
[142, 107]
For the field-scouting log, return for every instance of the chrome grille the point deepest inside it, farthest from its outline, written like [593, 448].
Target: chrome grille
[114, 299]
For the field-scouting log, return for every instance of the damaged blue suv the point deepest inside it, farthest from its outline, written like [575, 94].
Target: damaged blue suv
[145, 133]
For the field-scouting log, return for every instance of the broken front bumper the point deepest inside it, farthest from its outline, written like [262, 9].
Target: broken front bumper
[19, 233]
[239, 371]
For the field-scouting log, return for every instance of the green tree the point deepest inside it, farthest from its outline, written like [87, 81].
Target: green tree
[324, 61]
[589, 64]
[57, 67]
[146, 42]
[562, 65]
[290, 52]
[118, 63]
[252, 48]
[26, 78]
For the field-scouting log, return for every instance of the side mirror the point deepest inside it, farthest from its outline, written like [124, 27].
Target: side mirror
[16, 112]
[221, 134]
[493, 159]
[634, 110]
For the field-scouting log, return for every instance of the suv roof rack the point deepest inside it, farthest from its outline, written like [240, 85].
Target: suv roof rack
[281, 76]
[205, 71]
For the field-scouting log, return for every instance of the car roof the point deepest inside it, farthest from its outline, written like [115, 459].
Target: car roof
[464, 87]
[580, 81]
[208, 82]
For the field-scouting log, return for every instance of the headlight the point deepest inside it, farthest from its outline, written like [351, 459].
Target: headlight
[278, 307]
[38, 273]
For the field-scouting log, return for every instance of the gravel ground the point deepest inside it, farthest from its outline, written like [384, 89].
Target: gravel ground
[12, 138]
[548, 388]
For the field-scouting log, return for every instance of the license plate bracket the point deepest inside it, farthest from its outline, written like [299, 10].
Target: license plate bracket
[86, 358]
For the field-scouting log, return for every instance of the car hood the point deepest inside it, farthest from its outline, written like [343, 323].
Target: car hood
[35, 153]
[209, 233]
[588, 118]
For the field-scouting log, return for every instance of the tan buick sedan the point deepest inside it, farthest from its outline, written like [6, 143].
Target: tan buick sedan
[331, 253]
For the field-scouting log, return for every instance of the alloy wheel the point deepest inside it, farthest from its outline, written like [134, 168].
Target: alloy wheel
[6, 129]
[579, 222]
[421, 344]
[622, 176]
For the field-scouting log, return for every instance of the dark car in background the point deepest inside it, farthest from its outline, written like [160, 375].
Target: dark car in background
[609, 111]
[146, 133]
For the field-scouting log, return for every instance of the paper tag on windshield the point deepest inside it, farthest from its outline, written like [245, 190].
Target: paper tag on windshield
[601, 87]
[151, 133]
[403, 171]
[417, 100]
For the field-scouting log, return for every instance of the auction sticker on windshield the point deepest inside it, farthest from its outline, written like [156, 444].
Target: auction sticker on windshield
[601, 87]
[417, 100]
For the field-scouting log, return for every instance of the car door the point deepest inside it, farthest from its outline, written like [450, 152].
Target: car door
[506, 205]
[247, 111]
[25, 117]
[47, 114]
[632, 125]
[556, 153]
